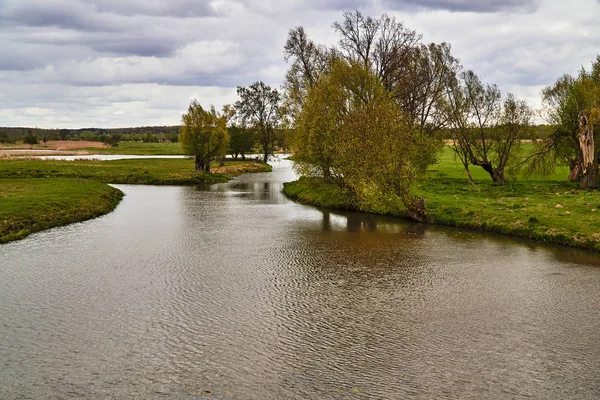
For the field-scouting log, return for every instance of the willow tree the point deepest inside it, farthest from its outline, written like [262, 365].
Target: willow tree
[353, 132]
[486, 132]
[308, 61]
[416, 74]
[573, 110]
[203, 135]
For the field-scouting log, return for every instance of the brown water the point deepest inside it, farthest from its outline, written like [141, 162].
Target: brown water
[235, 292]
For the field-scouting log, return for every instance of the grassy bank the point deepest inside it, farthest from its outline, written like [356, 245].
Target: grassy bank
[139, 171]
[41, 194]
[138, 148]
[547, 209]
[31, 205]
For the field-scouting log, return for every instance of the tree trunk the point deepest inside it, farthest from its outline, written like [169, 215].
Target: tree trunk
[589, 165]
[575, 170]
[497, 174]
[198, 164]
[416, 209]
[326, 174]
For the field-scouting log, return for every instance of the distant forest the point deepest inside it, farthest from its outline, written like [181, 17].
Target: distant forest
[151, 134]
[148, 134]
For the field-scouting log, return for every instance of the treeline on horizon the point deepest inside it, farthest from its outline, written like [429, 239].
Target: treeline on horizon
[153, 134]
[150, 134]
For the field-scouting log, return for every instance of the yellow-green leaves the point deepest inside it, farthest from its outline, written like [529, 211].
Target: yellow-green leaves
[204, 134]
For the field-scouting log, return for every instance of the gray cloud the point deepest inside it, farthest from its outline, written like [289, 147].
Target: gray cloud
[485, 6]
[121, 63]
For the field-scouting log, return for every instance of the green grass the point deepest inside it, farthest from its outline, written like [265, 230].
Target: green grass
[316, 192]
[31, 205]
[547, 209]
[41, 194]
[138, 171]
[142, 149]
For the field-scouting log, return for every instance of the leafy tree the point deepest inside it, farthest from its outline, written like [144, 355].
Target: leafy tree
[352, 132]
[203, 135]
[241, 141]
[88, 136]
[172, 137]
[417, 75]
[259, 108]
[573, 110]
[486, 132]
[308, 62]
[30, 138]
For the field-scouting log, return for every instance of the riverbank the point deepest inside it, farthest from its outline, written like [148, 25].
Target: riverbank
[135, 171]
[549, 210]
[42, 194]
[31, 205]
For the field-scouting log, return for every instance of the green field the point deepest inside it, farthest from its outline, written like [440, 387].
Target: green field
[547, 209]
[31, 205]
[41, 194]
[138, 148]
[137, 171]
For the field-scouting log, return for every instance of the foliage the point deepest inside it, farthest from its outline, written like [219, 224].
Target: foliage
[416, 74]
[134, 171]
[241, 141]
[569, 101]
[543, 208]
[486, 132]
[308, 62]
[352, 131]
[30, 138]
[203, 135]
[259, 109]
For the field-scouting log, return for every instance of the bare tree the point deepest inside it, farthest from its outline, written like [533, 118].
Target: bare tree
[417, 75]
[486, 132]
[308, 62]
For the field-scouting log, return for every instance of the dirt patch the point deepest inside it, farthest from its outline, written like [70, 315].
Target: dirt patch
[54, 147]
[58, 145]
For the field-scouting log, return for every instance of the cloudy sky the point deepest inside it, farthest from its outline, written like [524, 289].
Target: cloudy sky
[120, 63]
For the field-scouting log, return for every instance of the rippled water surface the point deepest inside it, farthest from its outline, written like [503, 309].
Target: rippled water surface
[235, 292]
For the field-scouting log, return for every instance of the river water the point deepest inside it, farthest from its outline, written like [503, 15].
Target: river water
[234, 292]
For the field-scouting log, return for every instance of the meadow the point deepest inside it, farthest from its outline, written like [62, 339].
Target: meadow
[40, 194]
[31, 205]
[544, 208]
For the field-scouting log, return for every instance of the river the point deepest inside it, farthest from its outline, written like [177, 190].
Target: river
[235, 292]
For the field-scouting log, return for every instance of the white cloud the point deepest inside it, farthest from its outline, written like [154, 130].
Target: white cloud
[109, 63]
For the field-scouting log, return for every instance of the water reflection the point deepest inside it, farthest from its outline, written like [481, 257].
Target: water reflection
[234, 290]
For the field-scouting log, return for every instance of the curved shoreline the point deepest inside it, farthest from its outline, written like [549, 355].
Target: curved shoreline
[36, 199]
[56, 202]
[312, 191]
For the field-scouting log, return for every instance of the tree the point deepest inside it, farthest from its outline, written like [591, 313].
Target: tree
[352, 132]
[259, 108]
[308, 62]
[30, 138]
[486, 132]
[241, 141]
[417, 75]
[203, 135]
[573, 110]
